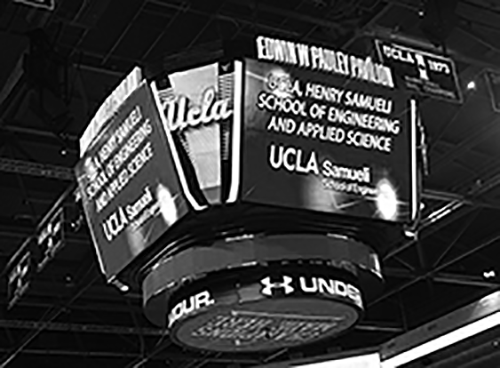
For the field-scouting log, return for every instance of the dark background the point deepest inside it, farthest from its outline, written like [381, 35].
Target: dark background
[73, 319]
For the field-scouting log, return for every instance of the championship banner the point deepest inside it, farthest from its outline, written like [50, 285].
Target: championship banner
[420, 71]
[493, 81]
[21, 270]
[50, 238]
[198, 108]
[128, 179]
[327, 131]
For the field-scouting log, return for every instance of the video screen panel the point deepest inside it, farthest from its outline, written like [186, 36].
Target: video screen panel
[320, 135]
[199, 112]
[128, 179]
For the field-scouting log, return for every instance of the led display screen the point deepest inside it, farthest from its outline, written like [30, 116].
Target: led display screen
[128, 180]
[326, 131]
[198, 109]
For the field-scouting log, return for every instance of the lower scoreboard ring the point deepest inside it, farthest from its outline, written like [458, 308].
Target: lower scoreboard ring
[163, 278]
[265, 308]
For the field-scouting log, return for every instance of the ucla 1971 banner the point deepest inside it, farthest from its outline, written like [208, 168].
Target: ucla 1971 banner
[420, 71]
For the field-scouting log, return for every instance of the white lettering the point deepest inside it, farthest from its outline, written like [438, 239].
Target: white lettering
[114, 224]
[292, 160]
[190, 305]
[326, 60]
[180, 116]
[398, 54]
[273, 103]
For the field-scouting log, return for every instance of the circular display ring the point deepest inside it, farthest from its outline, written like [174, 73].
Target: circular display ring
[267, 311]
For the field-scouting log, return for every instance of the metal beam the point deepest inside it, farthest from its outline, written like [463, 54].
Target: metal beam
[35, 169]
[465, 280]
[84, 328]
[286, 13]
[430, 273]
[36, 132]
[455, 239]
[124, 32]
[73, 353]
[441, 195]
[482, 130]
[360, 32]
[444, 213]
[48, 317]
[128, 355]
[228, 17]
[408, 4]
[160, 35]
[124, 330]
[378, 328]
[101, 70]
[445, 278]
[469, 31]
[431, 224]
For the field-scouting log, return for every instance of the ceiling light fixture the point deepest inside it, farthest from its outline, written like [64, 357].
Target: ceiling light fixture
[410, 233]
[386, 200]
[121, 286]
[471, 85]
[489, 274]
[443, 341]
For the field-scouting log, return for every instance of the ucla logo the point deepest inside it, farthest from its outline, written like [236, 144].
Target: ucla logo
[281, 84]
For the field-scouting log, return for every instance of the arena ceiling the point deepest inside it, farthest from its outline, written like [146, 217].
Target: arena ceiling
[82, 49]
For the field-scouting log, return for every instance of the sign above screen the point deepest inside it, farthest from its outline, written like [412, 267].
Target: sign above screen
[323, 60]
[327, 131]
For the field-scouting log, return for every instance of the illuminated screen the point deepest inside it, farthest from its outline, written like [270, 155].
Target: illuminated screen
[198, 108]
[332, 141]
[128, 181]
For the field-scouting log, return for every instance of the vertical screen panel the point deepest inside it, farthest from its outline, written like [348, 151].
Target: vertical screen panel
[130, 188]
[326, 141]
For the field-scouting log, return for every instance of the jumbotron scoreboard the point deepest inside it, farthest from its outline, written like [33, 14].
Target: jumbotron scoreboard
[250, 199]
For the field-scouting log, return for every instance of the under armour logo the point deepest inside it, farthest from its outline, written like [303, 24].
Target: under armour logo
[269, 286]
